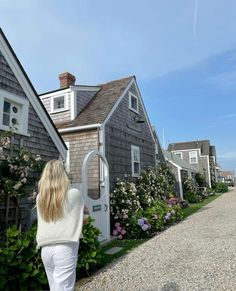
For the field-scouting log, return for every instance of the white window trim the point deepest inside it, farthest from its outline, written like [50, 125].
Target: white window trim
[191, 156]
[67, 161]
[130, 107]
[24, 103]
[133, 148]
[52, 99]
[181, 154]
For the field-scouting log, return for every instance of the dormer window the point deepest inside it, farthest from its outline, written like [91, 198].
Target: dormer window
[13, 112]
[58, 104]
[133, 102]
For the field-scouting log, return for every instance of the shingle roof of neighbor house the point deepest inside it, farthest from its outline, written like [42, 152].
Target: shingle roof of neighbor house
[178, 161]
[203, 145]
[100, 105]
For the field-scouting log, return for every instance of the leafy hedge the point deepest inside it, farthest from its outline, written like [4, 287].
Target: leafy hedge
[221, 187]
[20, 263]
[21, 267]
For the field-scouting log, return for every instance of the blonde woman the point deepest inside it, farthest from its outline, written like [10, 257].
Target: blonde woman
[60, 219]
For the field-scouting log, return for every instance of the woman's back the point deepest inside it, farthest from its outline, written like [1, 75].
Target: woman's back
[66, 229]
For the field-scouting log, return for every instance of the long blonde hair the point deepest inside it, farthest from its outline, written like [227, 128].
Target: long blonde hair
[52, 188]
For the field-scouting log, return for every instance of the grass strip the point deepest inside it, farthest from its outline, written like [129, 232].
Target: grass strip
[127, 245]
[194, 207]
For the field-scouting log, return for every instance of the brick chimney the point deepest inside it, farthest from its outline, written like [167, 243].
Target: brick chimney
[66, 80]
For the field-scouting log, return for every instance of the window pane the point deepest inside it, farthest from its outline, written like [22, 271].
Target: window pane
[136, 155]
[136, 168]
[134, 103]
[6, 107]
[59, 103]
[6, 119]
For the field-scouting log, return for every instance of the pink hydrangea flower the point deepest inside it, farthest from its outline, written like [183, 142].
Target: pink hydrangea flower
[119, 229]
[123, 232]
[120, 236]
[115, 232]
[117, 224]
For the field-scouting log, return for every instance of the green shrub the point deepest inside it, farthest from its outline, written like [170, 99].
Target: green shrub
[147, 223]
[192, 197]
[89, 249]
[221, 187]
[21, 267]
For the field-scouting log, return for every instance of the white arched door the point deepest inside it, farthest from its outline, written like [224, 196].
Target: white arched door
[99, 209]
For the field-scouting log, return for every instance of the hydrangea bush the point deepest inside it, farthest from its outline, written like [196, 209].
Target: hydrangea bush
[154, 183]
[124, 201]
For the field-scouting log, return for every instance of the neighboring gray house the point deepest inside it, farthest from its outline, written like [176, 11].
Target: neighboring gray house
[199, 154]
[109, 117]
[20, 106]
[180, 168]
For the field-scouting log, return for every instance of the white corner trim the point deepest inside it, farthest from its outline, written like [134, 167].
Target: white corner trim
[79, 128]
[180, 185]
[31, 96]
[73, 104]
[209, 173]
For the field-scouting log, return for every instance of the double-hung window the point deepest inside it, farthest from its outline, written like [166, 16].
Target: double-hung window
[13, 112]
[135, 155]
[193, 157]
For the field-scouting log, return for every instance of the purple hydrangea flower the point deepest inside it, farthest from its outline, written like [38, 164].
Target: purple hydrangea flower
[140, 222]
[145, 227]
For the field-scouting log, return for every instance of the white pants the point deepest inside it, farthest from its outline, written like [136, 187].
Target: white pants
[60, 265]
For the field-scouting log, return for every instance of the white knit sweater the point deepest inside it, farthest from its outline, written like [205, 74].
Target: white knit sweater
[67, 229]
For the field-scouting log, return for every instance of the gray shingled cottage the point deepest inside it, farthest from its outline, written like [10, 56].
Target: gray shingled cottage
[199, 154]
[109, 117]
[20, 104]
[181, 169]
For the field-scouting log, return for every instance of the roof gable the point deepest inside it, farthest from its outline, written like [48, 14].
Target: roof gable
[99, 107]
[26, 89]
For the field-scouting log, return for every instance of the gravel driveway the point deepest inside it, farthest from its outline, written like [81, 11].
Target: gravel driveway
[196, 254]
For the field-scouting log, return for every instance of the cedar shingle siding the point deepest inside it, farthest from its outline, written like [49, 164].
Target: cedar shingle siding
[81, 143]
[120, 133]
[8, 81]
[38, 141]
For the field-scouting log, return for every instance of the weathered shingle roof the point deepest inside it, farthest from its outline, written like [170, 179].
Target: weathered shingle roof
[178, 161]
[100, 105]
[203, 145]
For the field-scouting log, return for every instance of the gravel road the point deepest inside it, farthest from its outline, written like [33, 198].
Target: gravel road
[196, 254]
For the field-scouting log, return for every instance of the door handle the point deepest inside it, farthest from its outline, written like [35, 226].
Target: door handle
[106, 207]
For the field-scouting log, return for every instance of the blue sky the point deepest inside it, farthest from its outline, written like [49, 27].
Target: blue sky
[183, 54]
